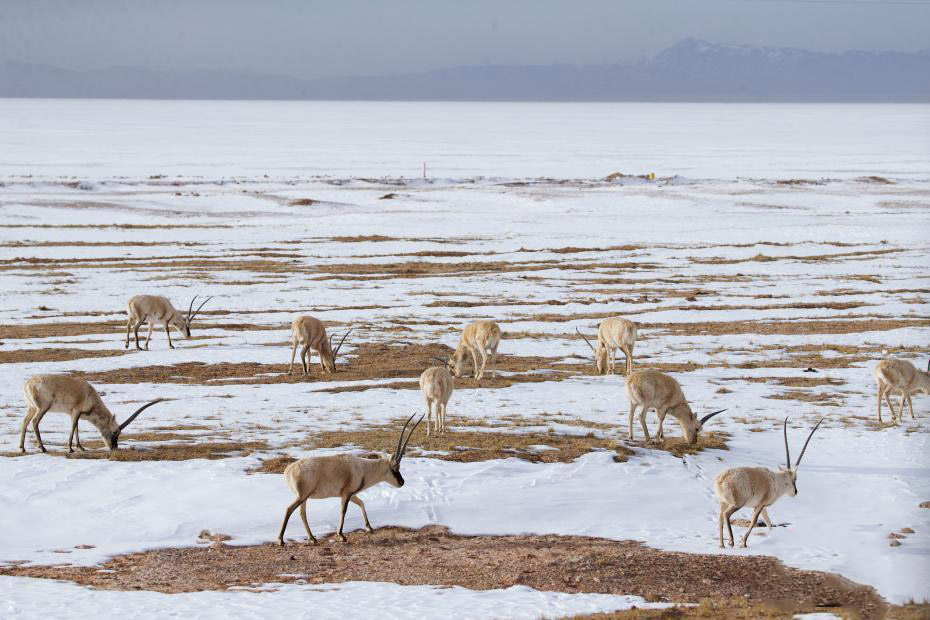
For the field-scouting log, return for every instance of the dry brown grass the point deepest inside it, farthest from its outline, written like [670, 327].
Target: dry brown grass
[677, 446]
[369, 361]
[23, 356]
[433, 556]
[189, 449]
[789, 381]
[468, 446]
[814, 258]
[821, 398]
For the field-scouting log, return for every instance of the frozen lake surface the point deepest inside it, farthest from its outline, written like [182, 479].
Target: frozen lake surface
[215, 139]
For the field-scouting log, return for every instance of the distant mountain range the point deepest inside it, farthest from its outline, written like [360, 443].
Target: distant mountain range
[691, 70]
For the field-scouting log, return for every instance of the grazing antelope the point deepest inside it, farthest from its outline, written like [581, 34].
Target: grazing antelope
[312, 334]
[437, 384]
[651, 389]
[156, 309]
[343, 476]
[478, 338]
[612, 334]
[77, 398]
[900, 376]
[756, 487]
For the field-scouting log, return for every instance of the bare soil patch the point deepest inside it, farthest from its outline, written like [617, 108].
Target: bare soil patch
[466, 446]
[188, 450]
[369, 361]
[434, 556]
[22, 356]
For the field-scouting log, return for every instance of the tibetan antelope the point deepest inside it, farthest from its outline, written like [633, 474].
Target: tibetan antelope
[437, 384]
[310, 332]
[156, 309]
[343, 476]
[76, 397]
[756, 487]
[478, 338]
[651, 389]
[612, 334]
[900, 376]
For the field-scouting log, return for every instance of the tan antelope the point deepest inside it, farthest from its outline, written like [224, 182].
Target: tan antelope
[437, 384]
[79, 399]
[613, 333]
[651, 389]
[311, 332]
[343, 476]
[478, 338]
[756, 487]
[900, 376]
[156, 309]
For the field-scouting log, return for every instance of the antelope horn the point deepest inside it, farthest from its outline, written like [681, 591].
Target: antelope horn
[336, 352]
[787, 452]
[137, 412]
[586, 340]
[190, 309]
[709, 416]
[198, 308]
[928, 365]
[409, 435]
[397, 454]
[807, 442]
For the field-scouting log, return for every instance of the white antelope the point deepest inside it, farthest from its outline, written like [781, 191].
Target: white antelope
[156, 309]
[900, 376]
[77, 398]
[343, 476]
[310, 332]
[651, 389]
[756, 487]
[437, 384]
[478, 338]
[612, 334]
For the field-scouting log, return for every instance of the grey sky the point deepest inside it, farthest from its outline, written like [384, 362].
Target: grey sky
[366, 37]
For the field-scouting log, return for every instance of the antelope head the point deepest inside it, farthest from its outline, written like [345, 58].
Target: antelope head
[112, 433]
[690, 423]
[788, 469]
[329, 361]
[394, 460]
[600, 354]
[186, 320]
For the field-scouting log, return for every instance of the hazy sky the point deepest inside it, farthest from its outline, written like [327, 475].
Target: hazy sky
[364, 37]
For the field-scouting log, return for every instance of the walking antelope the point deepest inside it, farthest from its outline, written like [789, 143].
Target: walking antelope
[651, 389]
[900, 376]
[312, 334]
[612, 334]
[478, 338]
[156, 309]
[76, 397]
[756, 487]
[436, 384]
[343, 476]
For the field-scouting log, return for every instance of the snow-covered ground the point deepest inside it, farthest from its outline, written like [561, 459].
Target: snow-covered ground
[752, 250]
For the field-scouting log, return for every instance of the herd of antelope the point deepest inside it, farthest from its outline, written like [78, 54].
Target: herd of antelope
[345, 476]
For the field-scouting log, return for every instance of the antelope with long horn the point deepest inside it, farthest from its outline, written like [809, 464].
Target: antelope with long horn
[756, 487]
[478, 339]
[651, 389]
[156, 309]
[437, 384]
[900, 376]
[79, 399]
[343, 476]
[613, 333]
[310, 332]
